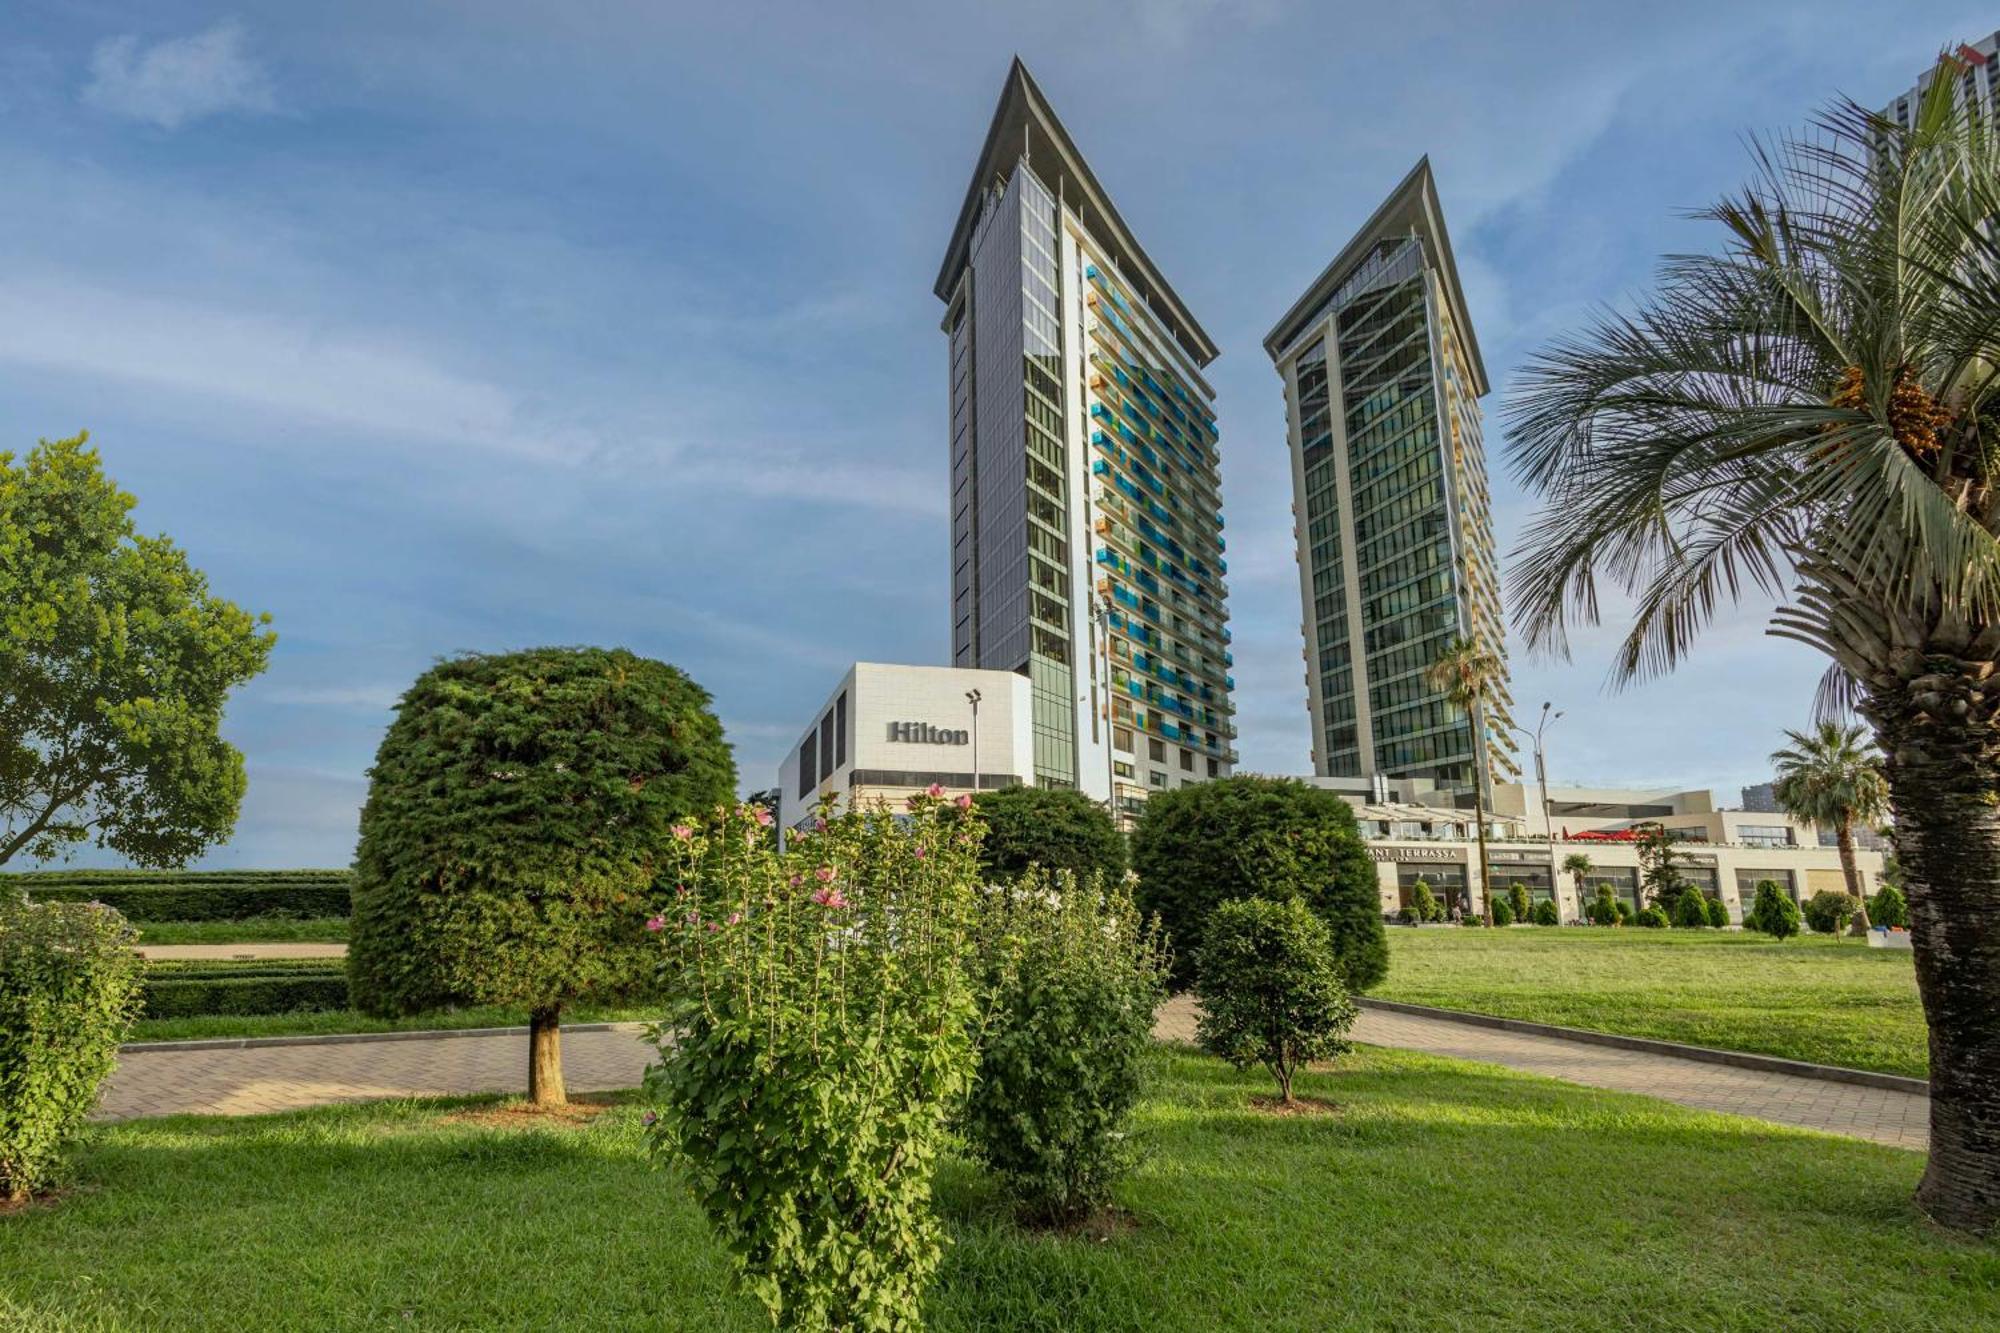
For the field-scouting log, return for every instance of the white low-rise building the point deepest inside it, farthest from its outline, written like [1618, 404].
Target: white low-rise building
[887, 731]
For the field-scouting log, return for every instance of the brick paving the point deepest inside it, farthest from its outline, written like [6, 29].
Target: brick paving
[250, 1080]
[209, 953]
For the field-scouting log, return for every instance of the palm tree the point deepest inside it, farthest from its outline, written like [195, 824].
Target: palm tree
[1832, 778]
[1813, 414]
[1468, 674]
[1578, 864]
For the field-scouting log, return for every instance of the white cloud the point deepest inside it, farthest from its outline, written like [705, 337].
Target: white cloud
[358, 698]
[179, 80]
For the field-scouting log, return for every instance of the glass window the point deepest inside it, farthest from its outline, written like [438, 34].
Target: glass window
[840, 730]
[808, 765]
[826, 747]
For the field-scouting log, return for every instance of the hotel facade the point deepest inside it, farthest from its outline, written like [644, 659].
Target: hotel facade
[1086, 511]
[1382, 380]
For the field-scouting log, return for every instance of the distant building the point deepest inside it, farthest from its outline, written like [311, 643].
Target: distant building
[1978, 80]
[1390, 509]
[1761, 799]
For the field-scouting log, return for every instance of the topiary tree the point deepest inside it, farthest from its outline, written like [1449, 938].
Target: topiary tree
[115, 663]
[1260, 837]
[1718, 915]
[1546, 913]
[1829, 911]
[69, 990]
[1888, 908]
[1270, 993]
[1691, 909]
[1518, 898]
[1057, 828]
[516, 814]
[1503, 911]
[1773, 912]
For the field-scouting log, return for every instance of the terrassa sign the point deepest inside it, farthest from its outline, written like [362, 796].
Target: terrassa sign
[1417, 853]
[923, 733]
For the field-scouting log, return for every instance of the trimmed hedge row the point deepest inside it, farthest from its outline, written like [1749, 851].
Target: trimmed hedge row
[193, 895]
[276, 986]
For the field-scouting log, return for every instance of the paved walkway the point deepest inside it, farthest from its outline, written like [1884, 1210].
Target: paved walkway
[249, 1080]
[209, 953]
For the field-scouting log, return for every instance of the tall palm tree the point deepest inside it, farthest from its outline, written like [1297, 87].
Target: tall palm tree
[1811, 414]
[1469, 674]
[1833, 777]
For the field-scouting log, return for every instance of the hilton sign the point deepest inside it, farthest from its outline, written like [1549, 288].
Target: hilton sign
[923, 733]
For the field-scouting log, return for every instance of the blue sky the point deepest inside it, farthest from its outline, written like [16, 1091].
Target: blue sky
[475, 326]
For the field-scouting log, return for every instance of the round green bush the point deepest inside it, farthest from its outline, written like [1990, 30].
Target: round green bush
[1503, 911]
[1889, 908]
[1652, 918]
[1718, 915]
[1691, 910]
[1828, 911]
[1773, 912]
[1057, 828]
[1546, 914]
[516, 815]
[1624, 911]
[1258, 837]
[1602, 910]
[1270, 993]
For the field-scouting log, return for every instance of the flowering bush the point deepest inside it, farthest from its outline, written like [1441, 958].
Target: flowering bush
[1271, 993]
[1069, 978]
[69, 989]
[819, 1039]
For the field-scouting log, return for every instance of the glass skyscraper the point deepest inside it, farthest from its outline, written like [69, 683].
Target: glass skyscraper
[1086, 530]
[1395, 532]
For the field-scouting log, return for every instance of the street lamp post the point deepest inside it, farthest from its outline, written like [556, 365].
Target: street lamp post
[1546, 720]
[972, 697]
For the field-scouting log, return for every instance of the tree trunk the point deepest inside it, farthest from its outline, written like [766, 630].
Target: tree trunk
[1941, 752]
[545, 1077]
[1845, 836]
[1485, 875]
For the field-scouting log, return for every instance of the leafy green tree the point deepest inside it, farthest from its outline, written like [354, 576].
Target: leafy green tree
[1660, 879]
[1828, 911]
[1472, 677]
[1832, 778]
[1270, 993]
[1773, 912]
[1056, 828]
[1812, 415]
[516, 817]
[115, 663]
[1260, 837]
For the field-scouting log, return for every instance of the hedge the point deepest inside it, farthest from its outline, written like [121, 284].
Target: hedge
[275, 986]
[193, 895]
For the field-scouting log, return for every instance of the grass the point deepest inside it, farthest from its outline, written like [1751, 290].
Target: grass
[309, 1023]
[1828, 1000]
[1441, 1195]
[254, 930]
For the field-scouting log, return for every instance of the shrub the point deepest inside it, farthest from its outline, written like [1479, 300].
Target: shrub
[146, 896]
[1503, 911]
[1603, 909]
[1691, 909]
[1773, 912]
[1652, 918]
[515, 819]
[1518, 899]
[1624, 910]
[1546, 913]
[1424, 905]
[1056, 828]
[1068, 978]
[69, 986]
[1828, 911]
[1718, 914]
[1270, 992]
[819, 1037]
[276, 986]
[1888, 908]
[1258, 837]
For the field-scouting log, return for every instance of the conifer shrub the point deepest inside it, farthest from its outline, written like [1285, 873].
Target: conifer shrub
[1718, 915]
[1519, 900]
[819, 1039]
[1424, 905]
[1503, 911]
[1603, 909]
[1773, 912]
[1652, 918]
[1546, 914]
[1691, 910]
[69, 990]
[1068, 978]
[1889, 908]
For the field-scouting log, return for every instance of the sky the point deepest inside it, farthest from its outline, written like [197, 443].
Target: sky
[439, 327]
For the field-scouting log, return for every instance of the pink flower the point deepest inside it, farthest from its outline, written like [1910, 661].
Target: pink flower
[761, 815]
[829, 898]
[683, 832]
[920, 853]
[650, 1119]
[734, 918]
[694, 918]
[965, 802]
[713, 927]
[935, 790]
[656, 924]
[819, 826]
[825, 874]
[680, 890]
[798, 880]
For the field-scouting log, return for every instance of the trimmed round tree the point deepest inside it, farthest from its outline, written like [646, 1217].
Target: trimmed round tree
[1056, 828]
[1270, 992]
[515, 813]
[1260, 837]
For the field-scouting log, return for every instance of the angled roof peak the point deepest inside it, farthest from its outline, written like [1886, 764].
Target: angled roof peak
[1025, 125]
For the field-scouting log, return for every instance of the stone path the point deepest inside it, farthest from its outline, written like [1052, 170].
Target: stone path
[249, 1080]
[209, 953]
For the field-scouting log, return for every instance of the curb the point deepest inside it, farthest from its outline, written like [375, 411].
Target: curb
[355, 1038]
[1770, 1064]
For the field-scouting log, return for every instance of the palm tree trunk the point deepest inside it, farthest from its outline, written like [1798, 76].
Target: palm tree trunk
[1485, 877]
[1845, 836]
[1941, 748]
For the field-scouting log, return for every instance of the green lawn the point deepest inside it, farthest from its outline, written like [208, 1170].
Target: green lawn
[254, 930]
[1441, 1195]
[318, 1022]
[1832, 1001]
